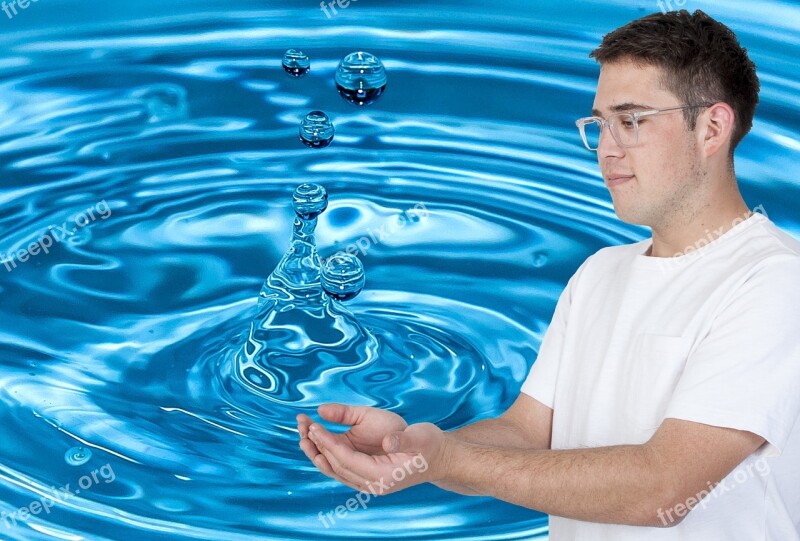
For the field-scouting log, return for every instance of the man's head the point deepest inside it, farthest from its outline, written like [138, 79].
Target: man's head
[663, 61]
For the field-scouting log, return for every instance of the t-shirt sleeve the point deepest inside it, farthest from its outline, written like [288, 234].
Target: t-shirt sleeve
[744, 373]
[541, 381]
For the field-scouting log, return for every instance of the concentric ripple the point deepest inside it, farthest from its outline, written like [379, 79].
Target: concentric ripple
[159, 153]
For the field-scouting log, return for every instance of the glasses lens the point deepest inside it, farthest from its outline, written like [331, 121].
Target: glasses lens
[591, 133]
[624, 128]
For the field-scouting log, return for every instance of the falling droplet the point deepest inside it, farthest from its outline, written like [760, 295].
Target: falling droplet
[296, 63]
[343, 276]
[360, 78]
[316, 130]
[77, 456]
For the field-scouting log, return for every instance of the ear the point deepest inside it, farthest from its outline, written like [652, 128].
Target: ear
[715, 125]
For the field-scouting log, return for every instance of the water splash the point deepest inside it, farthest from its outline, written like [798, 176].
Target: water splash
[299, 330]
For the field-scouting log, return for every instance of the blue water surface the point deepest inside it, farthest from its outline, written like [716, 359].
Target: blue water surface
[158, 142]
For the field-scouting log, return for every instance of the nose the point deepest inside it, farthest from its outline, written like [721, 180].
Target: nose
[607, 146]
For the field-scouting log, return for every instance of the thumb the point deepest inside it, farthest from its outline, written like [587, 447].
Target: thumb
[402, 442]
[341, 414]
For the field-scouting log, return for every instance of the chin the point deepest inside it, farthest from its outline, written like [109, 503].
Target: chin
[630, 216]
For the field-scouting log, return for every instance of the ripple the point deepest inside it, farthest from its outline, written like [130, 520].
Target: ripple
[123, 343]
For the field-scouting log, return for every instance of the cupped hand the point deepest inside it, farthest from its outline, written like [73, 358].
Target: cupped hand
[368, 428]
[379, 452]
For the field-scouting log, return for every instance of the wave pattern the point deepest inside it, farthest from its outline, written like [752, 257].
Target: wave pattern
[159, 158]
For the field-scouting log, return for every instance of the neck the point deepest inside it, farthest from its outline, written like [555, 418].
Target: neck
[691, 229]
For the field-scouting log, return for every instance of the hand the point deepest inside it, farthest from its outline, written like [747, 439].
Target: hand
[384, 455]
[368, 427]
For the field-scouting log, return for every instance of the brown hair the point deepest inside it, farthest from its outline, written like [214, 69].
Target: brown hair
[701, 61]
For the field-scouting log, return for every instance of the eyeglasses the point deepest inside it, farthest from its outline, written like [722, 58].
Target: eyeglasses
[624, 126]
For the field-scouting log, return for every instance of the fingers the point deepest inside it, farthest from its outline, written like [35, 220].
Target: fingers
[303, 422]
[309, 448]
[311, 451]
[345, 463]
[316, 458]
[341, 414]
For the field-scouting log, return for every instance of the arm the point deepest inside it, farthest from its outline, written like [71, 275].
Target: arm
[625, 484]
[527, 424]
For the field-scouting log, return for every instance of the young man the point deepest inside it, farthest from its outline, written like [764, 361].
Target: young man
[663, 402]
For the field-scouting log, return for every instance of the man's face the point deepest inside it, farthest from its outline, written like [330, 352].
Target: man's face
[663, 166]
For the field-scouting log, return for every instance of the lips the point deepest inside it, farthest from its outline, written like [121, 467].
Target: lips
[617, 179]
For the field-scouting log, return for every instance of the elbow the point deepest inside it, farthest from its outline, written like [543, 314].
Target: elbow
[663, 511]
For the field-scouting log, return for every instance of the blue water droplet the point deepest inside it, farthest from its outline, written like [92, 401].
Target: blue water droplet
[343, 276]
[296, 63]
[360, 78]
[77, 456]
[309, 200]
[316, 130]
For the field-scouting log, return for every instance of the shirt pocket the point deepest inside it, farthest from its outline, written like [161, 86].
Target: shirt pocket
[658, 361]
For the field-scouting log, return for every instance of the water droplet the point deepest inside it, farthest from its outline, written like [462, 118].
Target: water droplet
[77, 456]
[316, 130]
[360, 78]
[343, 276]
[296, 63]
[309, 200]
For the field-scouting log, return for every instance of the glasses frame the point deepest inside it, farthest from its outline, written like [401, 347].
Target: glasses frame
[636, 115]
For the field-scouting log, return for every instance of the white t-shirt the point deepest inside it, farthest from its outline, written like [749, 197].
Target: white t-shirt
[713, 337]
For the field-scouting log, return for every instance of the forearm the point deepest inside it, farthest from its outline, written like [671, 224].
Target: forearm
[494, 431]
[619, 484]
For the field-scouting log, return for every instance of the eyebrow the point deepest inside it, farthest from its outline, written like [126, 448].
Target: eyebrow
[627, 106]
